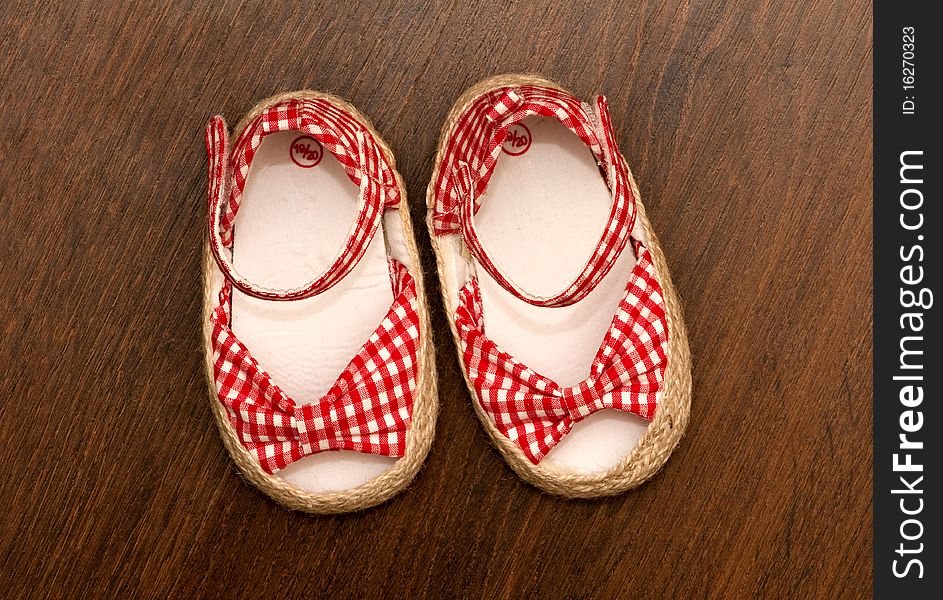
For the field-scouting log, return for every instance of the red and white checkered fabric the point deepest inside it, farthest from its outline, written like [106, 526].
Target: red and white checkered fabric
[368, 409]
[333, 127]
[473, 150]
[339, 133]
[627, 373]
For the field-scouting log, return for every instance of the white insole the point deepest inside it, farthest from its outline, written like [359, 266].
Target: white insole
[291, 222]
[541, 218]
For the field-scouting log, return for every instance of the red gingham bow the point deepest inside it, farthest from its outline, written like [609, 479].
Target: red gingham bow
[627, 373]
[367, 410]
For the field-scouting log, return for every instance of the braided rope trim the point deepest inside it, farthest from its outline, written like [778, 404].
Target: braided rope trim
[671, 419]
[425, 405]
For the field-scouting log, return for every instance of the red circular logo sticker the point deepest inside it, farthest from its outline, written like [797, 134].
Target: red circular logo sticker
[517, 141]
[306, 152]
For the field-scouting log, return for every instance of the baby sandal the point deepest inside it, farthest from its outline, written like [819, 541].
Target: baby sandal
[310, 248]
[585, 391]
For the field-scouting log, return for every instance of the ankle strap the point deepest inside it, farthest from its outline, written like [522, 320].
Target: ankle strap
[370, 207]
[510, 108]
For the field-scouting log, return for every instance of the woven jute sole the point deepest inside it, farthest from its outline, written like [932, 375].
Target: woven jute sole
[425, 402]
[671, 418]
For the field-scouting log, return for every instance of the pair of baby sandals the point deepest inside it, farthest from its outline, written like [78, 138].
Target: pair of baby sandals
[317, 334]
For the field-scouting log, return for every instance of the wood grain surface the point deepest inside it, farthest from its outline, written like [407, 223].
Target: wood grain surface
[748, 125]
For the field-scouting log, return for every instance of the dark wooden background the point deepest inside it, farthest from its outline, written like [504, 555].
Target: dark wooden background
[748, 125]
